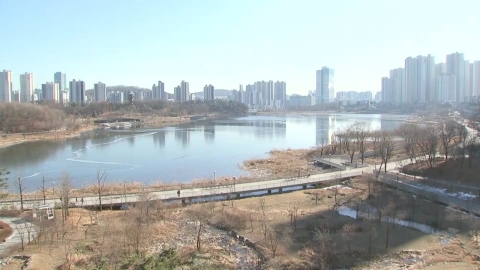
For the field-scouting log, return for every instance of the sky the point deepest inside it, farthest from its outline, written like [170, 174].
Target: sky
[230, 42]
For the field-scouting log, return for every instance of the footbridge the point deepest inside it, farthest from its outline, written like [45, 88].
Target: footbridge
[201, 194]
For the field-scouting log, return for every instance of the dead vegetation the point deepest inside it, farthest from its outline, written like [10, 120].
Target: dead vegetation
[284, 163]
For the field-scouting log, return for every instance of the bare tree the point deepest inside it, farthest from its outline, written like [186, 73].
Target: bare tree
[200, 216]
[21, 189]
[317, 194]
[101, 177]
[385, 148]
[408, 133]
[262, 207]
[20, 228]
[361, 137]
[387, 213]
[350, 143]
[371, 234]
[347, 231]
[446, 133]
[322, 241]
[472, 148]
[273, 238]
[427, 142]
[65, 189]
[44, 189]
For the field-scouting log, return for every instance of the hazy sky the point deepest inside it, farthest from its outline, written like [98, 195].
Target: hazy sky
[230, 42]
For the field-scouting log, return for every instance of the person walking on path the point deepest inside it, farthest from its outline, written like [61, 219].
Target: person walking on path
[178, 193]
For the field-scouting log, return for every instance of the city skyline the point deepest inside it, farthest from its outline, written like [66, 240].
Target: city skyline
[364, 40]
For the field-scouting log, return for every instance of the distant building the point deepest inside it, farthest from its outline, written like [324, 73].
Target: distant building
[209, 92]
[446, 88]
[297, 101]
[6, 86]
[77, 92]
[353, 96]
[456, 66]
[182, 92]
[325, 86]
[99, 92]
[26, 87]
[158, 91]
[116, 97]
[50, 91]
[61, 79]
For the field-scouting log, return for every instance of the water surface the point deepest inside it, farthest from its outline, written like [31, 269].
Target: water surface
[195, 150]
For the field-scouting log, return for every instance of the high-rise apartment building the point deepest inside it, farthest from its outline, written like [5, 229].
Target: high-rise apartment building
[430, 78]
[158, 91]
[61, 79]
[99, 92]
[209, 92]
[26, 87]
[77, 92]
[182, 92]
[475, 78]
[397, 85]
[6, 86]
[325, 86]
[446, 88]
[50, 91]
[280, 91]
[456, 66]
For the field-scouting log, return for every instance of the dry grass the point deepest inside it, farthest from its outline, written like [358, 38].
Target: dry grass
[283, 163]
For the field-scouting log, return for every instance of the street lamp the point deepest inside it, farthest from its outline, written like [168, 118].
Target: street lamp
[214, 184]
[53, 187]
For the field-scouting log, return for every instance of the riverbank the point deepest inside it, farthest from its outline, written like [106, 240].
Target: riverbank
[18, 138]
[148, 122]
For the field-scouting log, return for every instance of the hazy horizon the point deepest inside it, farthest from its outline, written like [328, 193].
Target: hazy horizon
[227, 43]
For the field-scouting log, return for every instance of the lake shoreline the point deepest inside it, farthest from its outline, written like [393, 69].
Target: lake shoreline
[18, 138]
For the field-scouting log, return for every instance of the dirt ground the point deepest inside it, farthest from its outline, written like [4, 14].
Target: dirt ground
[5, 231]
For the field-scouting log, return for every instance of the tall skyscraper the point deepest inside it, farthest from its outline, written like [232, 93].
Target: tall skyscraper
[61, 79]
[99, 92]
[325, 87]
[456, 66]
[50, 91]
[26, 87]
[77, 92]
[209, 92]
[6, 86]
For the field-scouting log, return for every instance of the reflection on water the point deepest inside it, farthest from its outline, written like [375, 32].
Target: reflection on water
[185, 152]
[159, 138]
